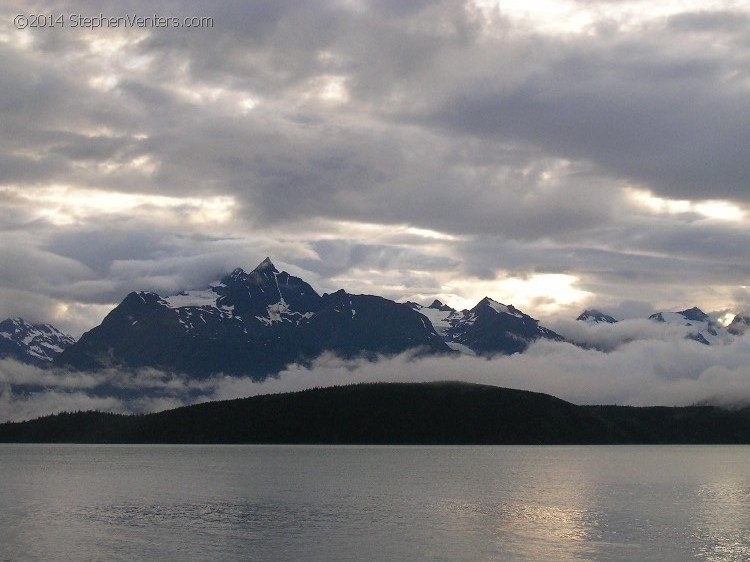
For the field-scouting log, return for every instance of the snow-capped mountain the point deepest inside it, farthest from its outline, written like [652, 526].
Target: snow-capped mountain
[593, 316]
[37, 344]
[487, 329]
[701, 327]
[250, 324]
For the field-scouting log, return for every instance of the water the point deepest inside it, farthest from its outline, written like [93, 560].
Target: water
[374, 503]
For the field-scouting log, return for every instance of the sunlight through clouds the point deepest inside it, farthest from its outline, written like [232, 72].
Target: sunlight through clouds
[66, 205]
[712, 209]
[545, 293]
[576, 16]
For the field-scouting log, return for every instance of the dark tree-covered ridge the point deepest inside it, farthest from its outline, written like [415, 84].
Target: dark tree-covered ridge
[395, 413]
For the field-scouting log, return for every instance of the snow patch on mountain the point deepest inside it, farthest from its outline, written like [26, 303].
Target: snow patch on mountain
[441, 317]
[280, 312]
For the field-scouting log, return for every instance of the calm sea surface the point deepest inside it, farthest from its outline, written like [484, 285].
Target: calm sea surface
[373, 503]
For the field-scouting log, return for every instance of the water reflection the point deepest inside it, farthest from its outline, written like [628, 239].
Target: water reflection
[400, 503]
[541, 530]
[721, 519]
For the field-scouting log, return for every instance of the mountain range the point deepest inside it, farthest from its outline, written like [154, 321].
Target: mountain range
[255, 324]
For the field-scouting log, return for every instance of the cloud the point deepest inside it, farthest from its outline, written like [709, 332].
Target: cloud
[27, 392]
[608, 337]
[16, 407]
[668, 370]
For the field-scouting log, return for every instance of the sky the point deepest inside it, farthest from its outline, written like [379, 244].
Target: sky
[553, 155]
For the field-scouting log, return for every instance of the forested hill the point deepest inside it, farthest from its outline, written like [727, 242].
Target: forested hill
[395, 413]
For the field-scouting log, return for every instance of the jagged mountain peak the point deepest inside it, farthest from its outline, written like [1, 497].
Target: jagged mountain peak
[439, 305]
[266, 265]
[595, 316]
[487, 301]
[740, 323]
[265, 274]
[695, 314]
[265, 294]
[497, 307]
[19, 325]
[492, 327]
[262, 272]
